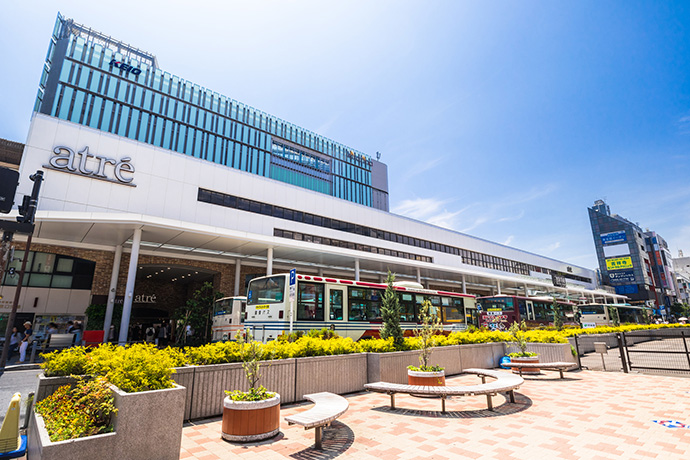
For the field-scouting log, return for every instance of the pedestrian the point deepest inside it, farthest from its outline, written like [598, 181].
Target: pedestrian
[70, 327]
[28, 332]
[15, 340]
[77, 331]
[163, 336]
[150, 332]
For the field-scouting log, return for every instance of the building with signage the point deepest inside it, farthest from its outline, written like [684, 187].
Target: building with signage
[160, 185]
[636, 263]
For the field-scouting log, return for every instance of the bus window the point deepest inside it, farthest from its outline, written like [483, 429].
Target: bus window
[266, 290]
[455, 311]
[523, 309]
[336, 304]
[365, 304]
[310, 302]
[406, 307]
[591, 309]
[542, 312]
[222, 307]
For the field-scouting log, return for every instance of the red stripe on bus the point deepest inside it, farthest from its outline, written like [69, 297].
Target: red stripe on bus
[307, 277]
[362, 283]
[454, 293]
[316, 278]
[331, 280]
[346, 282]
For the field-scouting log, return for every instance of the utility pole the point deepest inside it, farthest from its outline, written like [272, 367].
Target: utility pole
[24, 224]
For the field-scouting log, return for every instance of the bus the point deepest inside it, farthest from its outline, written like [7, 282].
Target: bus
[350, 308]
[228, 317]
[498, 312]
[598, 314]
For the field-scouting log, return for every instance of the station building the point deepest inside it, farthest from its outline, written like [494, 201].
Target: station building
[154, 185]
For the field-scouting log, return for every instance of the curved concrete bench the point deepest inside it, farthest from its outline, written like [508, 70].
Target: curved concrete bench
[328, 407]
[559, 366]
[503, 382]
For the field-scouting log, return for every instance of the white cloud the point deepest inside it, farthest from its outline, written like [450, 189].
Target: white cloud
[512, 218]
[552, 247]
[508, 240]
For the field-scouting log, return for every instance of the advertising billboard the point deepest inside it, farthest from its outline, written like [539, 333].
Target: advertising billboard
[619, 263]
[616, 250]
[613, 237]
[622, 276]
[558, 279]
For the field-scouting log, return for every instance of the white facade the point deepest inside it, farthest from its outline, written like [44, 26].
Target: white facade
[80, 210]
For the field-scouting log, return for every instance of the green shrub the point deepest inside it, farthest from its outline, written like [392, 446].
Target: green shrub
[213, 353]
[84, 410]
[254, 394]
[71, 361]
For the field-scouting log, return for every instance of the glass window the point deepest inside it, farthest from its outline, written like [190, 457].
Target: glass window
[43, 263]
[39, 280]
[61, 281]
[310, 301]
[64, 265]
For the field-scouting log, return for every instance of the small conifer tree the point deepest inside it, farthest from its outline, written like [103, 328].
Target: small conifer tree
[430, 326]
[557, 315]
[613, 315]
[390, 313]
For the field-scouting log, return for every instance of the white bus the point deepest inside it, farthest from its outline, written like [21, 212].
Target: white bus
[599, 314]
[350, 308]
[228, 317]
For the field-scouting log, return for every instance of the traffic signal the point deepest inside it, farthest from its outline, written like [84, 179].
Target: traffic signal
[27, 210]
[9, 179]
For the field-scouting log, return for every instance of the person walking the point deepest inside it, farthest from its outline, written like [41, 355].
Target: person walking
[28, 332]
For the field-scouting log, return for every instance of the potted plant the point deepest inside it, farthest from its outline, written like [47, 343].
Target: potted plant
[517, 332]
[254, 414]
[424, 374]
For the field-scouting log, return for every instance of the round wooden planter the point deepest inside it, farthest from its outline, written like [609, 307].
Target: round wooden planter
[525, 370]
[247, 421]
[429, 379]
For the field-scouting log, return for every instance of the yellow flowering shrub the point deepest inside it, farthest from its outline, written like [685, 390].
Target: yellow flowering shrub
[140, 367]
[71, 361]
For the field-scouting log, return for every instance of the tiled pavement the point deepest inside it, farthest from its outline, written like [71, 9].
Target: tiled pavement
[588, 415]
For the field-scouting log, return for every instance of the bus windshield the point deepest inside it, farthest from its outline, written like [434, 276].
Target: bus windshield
[498, 304]
[591, 309]
[266, 290]
[222, 307]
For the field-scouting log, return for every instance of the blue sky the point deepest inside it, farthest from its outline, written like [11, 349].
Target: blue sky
[503, 120]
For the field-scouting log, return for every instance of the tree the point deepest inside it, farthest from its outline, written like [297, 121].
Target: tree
[430, 326]
[197, 314]
[390, 313]
[557, 314]
[613, 314]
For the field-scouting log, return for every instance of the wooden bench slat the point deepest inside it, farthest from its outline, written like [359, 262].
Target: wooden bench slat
[504, 382]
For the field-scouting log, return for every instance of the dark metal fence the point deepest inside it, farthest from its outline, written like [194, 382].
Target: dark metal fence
[657, 351]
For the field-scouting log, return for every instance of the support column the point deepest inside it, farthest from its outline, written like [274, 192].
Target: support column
[269, 262]
[464, 285]
[320, 271]
[498, 286]
[129, 290]
[111, 293]
[419, 275]
[238, 270]
[593, 299]
[356, 269]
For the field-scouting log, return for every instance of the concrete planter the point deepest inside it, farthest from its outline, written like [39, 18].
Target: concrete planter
[247, 421]
[427, 379]
[148, 426]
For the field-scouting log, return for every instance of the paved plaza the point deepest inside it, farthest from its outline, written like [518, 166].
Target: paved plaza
[588, 415]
